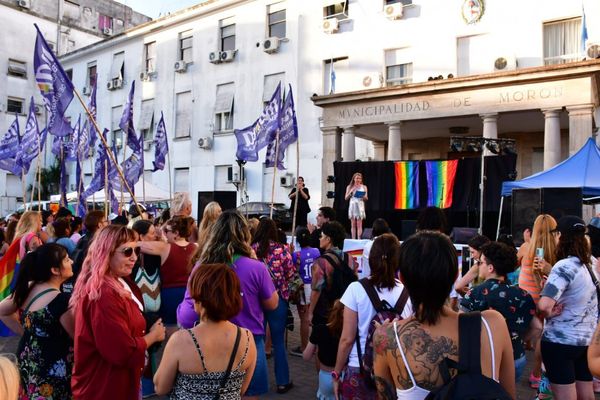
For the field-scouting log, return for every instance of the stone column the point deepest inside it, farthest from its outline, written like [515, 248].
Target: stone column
[580, 126]
[552, 152]
[490, 129]
[394, 141]
[378, 151]
[331, 153]
[349, 144]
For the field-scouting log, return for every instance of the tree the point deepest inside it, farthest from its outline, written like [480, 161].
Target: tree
[49, 182]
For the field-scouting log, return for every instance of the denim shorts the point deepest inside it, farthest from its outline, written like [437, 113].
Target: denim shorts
[259, 384]
[325, 391]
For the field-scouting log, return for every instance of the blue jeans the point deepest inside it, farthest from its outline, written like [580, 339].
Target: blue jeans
[259, 384]
[277, 320]
[325, 391]
[520, 364]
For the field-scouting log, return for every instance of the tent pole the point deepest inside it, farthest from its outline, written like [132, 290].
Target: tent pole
[481, 190]
[500, 216]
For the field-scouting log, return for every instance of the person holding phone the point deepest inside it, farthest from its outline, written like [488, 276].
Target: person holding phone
[357, 193]
[303, 207]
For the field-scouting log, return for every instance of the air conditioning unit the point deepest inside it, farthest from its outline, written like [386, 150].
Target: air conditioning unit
[592, 51]
[144, 76]
[180, 66]
[505, 63]
[214, 57]
[117, 83]
[286, 180]
[110, 85]
[330, 25]
[227, 55]
[86, 90]
[235, 174]
[24, 3]
[204, 143]
[373, 81]
[107, 31]
[147, 145]
[38, 108]
[270, 45]
[394, 11]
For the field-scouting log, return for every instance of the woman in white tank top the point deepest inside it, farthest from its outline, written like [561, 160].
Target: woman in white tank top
[408, 352]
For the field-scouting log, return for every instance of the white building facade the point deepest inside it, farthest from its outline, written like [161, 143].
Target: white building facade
[210, 68]
[66, 25]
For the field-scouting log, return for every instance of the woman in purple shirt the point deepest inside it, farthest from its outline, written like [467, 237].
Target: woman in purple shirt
[229, 242]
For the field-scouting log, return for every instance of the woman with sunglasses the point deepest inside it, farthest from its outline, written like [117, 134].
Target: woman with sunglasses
[175, 267]
[45, 351]
[110, 331]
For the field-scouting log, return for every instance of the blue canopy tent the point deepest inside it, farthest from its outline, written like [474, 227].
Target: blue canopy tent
[581, 170]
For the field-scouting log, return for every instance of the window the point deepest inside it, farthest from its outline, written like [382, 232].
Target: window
[276, 20]
[270, 84]
[333, 69]
[562, 41]
[221, 181]
[181, 178]
[146, 125]
[71, 10]
[117, 134]
[150, 57]
[404, 2]
[397, 70]
[537, 159]
[224, 107]
[335, 9]
[117, 70]
[183, 116]
[17, 68]
[69, 74]
[92, 74]
[14, 105]
[185, 46]
[104, 22]
[227, 34]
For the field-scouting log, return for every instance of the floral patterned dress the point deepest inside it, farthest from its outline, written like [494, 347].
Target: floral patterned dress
[46, 353]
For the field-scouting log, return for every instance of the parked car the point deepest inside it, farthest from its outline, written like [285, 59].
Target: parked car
[257, 209]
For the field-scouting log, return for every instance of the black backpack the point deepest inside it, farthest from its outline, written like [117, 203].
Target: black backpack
[342, 275]
[469, 383]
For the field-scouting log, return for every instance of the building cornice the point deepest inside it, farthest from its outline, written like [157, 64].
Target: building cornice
[182, 16]
[498, 79]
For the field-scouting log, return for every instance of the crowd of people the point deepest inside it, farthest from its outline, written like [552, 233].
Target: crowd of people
[125, 308]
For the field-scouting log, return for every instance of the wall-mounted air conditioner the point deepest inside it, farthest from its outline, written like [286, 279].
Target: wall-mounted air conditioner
[214, 57]
[109, 85]
[86, 91]
[286, 180]
[180, 66]
[271, 45]
[117, 83]
[592, 51]
[204, 143]
[107, 31]
[147, 145]
[330, 25]
[394, 11]
[227, 55]
[144, 76]
[372, 81]
[505, 63]
[38, 108]
[235, 174]
[24, 3]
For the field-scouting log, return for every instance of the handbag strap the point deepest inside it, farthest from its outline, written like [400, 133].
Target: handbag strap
[230, 365]
[37, 296]
[596, 284]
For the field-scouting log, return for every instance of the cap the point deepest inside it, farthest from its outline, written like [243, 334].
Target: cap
[570, 224]
[595, 222]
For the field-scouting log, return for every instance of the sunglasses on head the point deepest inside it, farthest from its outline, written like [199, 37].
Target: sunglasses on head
[128, 251]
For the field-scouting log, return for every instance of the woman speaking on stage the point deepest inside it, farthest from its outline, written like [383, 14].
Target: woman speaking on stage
[357, 193]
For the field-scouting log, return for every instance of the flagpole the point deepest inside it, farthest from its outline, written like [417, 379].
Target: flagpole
[108, 151]
[169, 166]
[25, 206]
[93, 194]
[105, 187]
[35, 176]
[274, 172]
[62, 160]
[124, 143]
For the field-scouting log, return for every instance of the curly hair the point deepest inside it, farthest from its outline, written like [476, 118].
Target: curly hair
[501, 256]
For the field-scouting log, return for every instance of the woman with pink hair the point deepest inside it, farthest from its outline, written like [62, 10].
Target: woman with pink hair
[110, 330]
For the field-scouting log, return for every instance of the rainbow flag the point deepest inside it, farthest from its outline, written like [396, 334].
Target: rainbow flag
[440, 182]
[407, 185]
[9, 266]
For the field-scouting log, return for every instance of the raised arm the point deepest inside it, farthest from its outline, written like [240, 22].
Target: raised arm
[349, 192]
[155, 248]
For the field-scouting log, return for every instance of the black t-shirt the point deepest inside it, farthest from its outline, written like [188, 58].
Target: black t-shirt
[327, 344]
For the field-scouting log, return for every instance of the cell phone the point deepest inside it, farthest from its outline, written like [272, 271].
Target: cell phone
[539, 252]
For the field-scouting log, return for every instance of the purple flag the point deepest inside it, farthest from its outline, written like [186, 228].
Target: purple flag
[10, 165]
[99, 177]
[288, 133]
[30, 142]
[9, 146]
[54, 84]
[161, 145]
[126, 123]
[63, 182]
[81, 209]
[83, 142]
[71, 142]
[132, 168]
[252, 139]
[92, 109]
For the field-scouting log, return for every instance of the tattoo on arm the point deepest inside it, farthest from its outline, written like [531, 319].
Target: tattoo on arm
[385, 390]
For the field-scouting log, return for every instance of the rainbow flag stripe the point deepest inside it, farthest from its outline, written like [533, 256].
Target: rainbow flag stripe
[440, 182]
[407, 185]
[9, 269]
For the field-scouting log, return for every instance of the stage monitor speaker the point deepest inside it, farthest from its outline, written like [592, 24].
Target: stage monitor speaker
[226, 199]
[462, 235]
[527, 204]
[407, 227]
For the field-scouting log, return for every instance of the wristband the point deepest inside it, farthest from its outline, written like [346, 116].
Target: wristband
[335, 376]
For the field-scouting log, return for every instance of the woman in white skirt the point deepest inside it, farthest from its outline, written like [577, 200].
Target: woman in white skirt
[357, 193]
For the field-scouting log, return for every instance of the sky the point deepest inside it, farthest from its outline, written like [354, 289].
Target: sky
[156, 8]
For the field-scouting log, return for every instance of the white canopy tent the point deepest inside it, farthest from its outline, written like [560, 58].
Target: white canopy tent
[153, 194]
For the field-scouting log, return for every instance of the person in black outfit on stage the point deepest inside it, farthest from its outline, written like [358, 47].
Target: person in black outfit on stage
[303, 207]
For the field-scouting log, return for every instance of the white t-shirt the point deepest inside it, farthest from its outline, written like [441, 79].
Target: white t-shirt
[365, 270]
[356, 299]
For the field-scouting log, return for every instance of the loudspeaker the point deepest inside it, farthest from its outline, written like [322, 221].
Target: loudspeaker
[527, 204]
[407, 227]
[462, 234]
[226, 199]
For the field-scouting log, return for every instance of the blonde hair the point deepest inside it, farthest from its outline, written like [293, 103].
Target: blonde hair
[354, 176]
[179, 202]
[9, 379]
[541, 236]
[29, 222]
[209, 217]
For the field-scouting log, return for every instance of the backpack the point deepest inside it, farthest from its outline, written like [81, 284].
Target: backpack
[383, 311]
[469, 383]
[342, 276]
